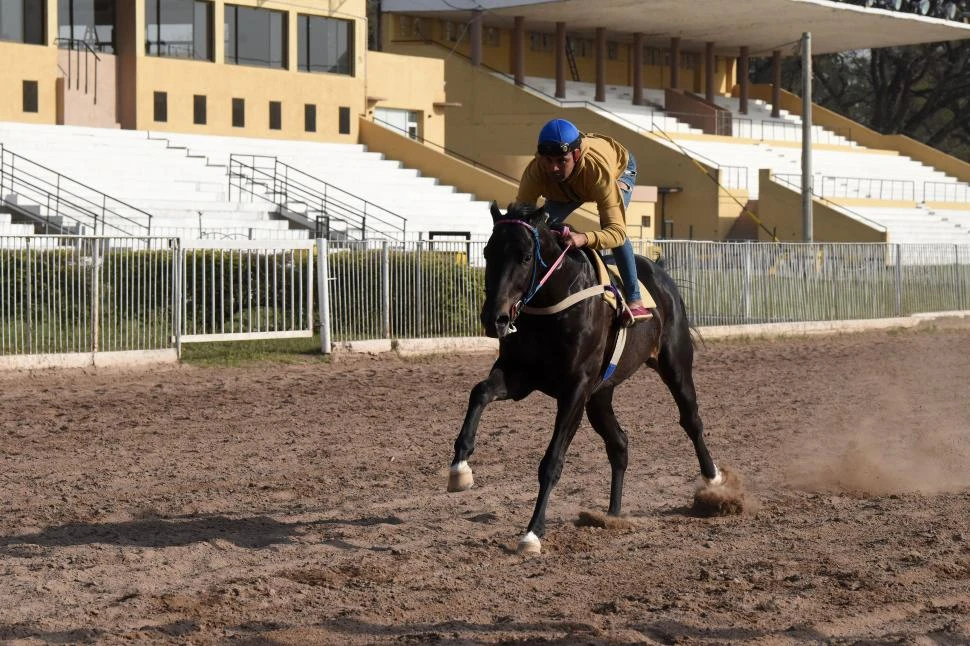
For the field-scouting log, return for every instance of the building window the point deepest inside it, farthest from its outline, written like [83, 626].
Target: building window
[410, 27]
[540, 42]
[161, 106]
[238, 113]
[87, 21]
[690, 60]
[325, 45]
[179, 29]
[310, 117]
[612, 50]
[490, 36]
[452, 31]
[275, 115]
[583, 47]
[198, 109]
[22, 21]
[343, 120]
[255, 37]
[30, 96]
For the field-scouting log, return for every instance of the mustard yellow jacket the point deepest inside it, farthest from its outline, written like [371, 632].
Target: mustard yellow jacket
[594, 179]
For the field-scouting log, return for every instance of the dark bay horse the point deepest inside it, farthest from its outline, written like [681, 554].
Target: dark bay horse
[568, 354]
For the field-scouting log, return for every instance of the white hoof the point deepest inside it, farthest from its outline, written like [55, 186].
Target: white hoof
[718, 479]
[529, 544]
[460, 477]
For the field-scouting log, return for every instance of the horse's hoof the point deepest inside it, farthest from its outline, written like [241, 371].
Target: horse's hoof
[529, 544]
[460, 477]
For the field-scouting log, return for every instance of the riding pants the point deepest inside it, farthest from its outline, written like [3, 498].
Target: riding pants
[625, 263]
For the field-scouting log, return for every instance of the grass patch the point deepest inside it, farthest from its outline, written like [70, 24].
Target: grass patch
[237, 353]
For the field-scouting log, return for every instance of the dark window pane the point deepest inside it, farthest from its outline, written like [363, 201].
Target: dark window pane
[344, 120]
[30, 96]
[310, 117]
[22, 21]
[198, 109]
[275, 115]
[161, 106]
[255, 37]
[238, 113]
[89, 21]
[325, 45]
[178, 29]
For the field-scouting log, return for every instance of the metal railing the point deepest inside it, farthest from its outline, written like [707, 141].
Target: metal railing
[774, 130]
[330, 212]
[59, 204]
[75, 45]
[868, 188]
[61, 294]
[958, 192]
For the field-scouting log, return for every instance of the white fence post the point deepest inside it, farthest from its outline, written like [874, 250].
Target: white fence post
[385, 291]
[899, 279]
[95, 293]
[323, 282]
[178, 293]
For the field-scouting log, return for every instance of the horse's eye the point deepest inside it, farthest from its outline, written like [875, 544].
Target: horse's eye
[526, 259]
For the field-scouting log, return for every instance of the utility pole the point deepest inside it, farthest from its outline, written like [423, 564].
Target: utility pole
[807, 223]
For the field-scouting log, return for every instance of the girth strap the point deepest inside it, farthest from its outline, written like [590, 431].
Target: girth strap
[617, 353]
[567, 302]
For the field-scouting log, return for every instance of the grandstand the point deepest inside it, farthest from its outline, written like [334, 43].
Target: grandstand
[179, 185]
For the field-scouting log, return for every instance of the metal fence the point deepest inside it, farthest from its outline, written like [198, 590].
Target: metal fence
[64, 294]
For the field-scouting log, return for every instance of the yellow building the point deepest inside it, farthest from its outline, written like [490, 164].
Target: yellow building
[295, 69]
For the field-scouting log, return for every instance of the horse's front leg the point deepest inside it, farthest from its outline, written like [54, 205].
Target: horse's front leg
[491, 388]
[568, 416]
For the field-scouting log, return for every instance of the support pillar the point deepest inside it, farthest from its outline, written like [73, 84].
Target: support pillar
[601, 64]
[560, 60]
[638, 69]
[743, 64]
[709, 64]
[476, 39]
[775, 84]
[675, 62]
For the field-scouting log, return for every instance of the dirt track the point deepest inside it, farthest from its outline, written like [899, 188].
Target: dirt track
[306, 504]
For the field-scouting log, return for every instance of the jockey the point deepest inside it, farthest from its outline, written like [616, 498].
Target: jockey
[571, 168]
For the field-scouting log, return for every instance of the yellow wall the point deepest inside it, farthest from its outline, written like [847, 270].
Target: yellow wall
[780, 210]
[220, 83]
[28, 63]
[619, 71]
[409, 83]
[498, 120]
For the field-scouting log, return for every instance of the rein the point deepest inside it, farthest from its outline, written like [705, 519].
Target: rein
[536, 282]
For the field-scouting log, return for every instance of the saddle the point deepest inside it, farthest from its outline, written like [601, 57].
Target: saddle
[610, 275]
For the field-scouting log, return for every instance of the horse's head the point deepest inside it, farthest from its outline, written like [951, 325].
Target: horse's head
[513, 264]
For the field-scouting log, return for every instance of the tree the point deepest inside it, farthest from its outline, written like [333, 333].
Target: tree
[922, 91]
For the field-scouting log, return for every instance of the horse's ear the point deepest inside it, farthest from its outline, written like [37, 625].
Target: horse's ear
[496, 214]
[537, 216]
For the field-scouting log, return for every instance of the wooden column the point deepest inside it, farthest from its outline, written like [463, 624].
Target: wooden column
[518, 50]
[775, 83]
[638, 69]
[743, 64]
[601, 64]
[476, 39]
[675, 62]
[560, 60]
[709, 65]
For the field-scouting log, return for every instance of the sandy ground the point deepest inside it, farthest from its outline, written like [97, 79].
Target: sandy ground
[300, 504]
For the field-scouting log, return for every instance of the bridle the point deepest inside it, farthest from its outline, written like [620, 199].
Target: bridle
[535, 283]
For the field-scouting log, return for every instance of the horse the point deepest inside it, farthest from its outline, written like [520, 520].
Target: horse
[558, 335]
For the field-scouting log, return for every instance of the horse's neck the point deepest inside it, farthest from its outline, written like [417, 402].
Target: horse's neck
[574, 274]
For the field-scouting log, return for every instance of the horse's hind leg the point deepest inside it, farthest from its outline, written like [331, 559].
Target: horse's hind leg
[491, 388]
[675, 365]
[599, 409]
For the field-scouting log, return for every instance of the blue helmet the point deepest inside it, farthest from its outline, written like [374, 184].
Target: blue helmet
[558, 137]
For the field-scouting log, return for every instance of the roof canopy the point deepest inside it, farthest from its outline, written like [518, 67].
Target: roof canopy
[762, 25]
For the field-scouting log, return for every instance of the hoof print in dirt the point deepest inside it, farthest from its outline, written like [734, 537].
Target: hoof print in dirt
[726, 498]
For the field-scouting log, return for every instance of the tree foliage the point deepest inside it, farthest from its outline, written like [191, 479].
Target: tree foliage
[922, 91]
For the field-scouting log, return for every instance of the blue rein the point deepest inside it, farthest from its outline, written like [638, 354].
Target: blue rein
[536, 282]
